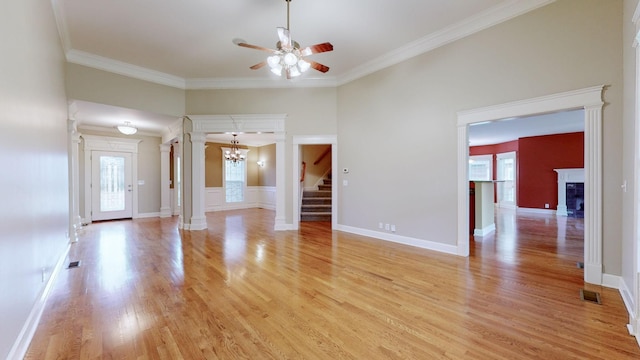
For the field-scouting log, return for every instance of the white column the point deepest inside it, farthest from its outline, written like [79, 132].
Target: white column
[75, 221]
[177, 146]
[593, 194]
[198, 218]
[165, 177]
[280, 221]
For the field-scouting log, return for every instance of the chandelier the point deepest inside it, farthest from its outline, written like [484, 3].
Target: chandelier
[234, 154]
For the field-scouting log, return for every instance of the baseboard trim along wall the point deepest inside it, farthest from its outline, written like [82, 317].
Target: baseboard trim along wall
[420, 243]
[20, 347]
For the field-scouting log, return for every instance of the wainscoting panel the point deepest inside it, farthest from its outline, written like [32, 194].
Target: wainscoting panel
[255, 197]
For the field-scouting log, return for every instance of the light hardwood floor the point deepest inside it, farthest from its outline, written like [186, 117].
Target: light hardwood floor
[239, 290]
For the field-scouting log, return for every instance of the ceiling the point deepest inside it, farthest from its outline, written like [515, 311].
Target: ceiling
[496, 132]
[189, 44]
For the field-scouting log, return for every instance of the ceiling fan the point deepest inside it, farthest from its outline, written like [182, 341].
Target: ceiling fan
[288, 58]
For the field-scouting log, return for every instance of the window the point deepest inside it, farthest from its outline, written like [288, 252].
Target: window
[234, 180]
[481, 168]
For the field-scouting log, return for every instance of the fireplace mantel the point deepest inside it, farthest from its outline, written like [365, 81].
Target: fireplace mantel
[566, 176]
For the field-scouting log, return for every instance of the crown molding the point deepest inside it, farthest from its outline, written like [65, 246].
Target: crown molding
[123, 68]
[61, 22]
[258, 83]
[486, 19]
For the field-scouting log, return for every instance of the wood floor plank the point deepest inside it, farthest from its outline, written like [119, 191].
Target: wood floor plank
[239, 290]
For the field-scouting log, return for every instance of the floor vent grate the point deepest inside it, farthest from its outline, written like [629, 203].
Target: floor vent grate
[74, 264]
[592, 296]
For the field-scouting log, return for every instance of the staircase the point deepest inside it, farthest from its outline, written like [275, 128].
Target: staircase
[316, 204]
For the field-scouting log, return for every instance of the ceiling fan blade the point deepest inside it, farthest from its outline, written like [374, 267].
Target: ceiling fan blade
[315, 49]
[318, 66]
[258, 65]
[256, 47]
[285, 37]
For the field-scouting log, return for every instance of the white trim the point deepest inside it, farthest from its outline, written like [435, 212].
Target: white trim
[500, 13]
[149, 215]
[589, 99]
[299, 140]
[484, 231]
[122, 68]
[405, 240]
[105, 143]
[535, 211]
[21, 345]
[253, 123]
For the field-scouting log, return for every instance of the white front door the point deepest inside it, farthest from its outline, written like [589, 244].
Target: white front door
[111, 185]
[506, 176]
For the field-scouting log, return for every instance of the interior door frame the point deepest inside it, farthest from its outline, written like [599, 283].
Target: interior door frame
[111, 144]
[96, 176]
[298, 142]
[591, 101]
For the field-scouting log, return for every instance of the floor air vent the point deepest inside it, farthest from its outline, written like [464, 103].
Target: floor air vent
[74, 264]
[592, 296]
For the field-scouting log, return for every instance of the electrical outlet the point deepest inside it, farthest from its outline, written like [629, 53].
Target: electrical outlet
[386, 227]
[393, 228]
[380, 225]
[546, 206]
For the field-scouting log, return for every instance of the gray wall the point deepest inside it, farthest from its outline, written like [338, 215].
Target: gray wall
[567, 45]
[33, 134]
[629, 159]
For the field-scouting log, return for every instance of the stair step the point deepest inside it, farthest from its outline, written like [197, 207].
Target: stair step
[317, 193]
[327, 181]
[316, 201]
[315, 216]
[324, 187]
[316, 208]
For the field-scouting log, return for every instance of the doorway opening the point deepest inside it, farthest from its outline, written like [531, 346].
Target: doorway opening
[589, 99]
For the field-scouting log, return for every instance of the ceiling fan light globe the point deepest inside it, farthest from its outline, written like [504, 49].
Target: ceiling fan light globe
[290, 59]
[273, 61]
[293, 71]
[303, 65]
[277, 70]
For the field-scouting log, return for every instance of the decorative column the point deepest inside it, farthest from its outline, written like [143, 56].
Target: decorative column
[280, 221]
[75, 221]
[165, 176]
[198, 219]
[593, 194]
[177, 206]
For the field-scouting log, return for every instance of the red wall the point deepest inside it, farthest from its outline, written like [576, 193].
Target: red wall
[536, 157]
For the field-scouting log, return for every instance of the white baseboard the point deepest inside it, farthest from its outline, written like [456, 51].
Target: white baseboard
[21, 345]
[420, 243]
[536, 211]
[485, 230]
[147, 215]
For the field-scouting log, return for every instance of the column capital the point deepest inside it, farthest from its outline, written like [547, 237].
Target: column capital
[198, 137]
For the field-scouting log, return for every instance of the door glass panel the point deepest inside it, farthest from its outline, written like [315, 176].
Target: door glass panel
[112, 189]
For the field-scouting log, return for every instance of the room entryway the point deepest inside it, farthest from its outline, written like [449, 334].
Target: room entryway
[111, 185]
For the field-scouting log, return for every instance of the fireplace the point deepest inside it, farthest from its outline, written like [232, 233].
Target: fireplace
[570, 192]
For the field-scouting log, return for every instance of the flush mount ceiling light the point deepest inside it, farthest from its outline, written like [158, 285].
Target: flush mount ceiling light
[289, 59]
[234, 154]
[127, 128]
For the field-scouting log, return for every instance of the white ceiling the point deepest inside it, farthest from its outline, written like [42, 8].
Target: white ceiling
[189, 44]
[496, 132]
